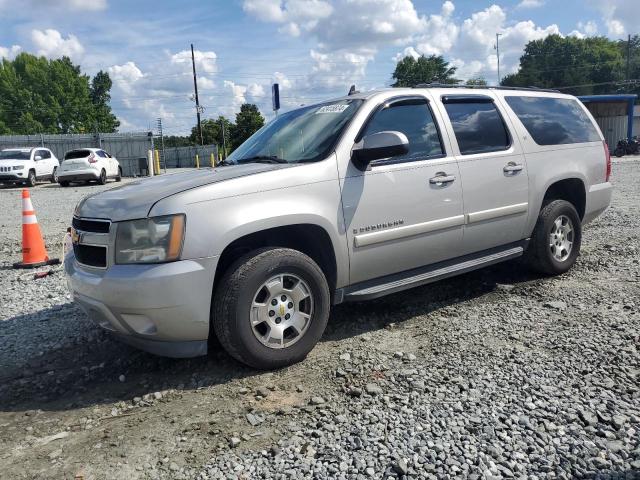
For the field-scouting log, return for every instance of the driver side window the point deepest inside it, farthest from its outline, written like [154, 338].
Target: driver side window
[413, 118]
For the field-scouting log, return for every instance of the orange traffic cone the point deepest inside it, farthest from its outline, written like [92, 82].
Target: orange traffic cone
[34, 253]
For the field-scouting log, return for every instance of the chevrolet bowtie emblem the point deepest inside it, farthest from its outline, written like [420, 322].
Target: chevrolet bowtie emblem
[281, 309]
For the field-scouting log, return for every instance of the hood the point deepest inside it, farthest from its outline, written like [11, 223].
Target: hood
[135, 199]
[10, 162]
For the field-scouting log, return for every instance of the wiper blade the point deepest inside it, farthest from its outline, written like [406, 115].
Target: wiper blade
[262, 159]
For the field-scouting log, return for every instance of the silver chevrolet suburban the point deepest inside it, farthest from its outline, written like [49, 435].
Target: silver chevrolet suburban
[344, 200]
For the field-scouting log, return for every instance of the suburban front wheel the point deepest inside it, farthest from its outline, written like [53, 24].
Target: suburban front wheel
[271, 308]
[556, 238]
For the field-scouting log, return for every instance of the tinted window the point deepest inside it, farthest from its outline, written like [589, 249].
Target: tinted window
[101, 154]
[44, 154]
[414, 119]
[477, 125]
[554, 121]
[77, 154]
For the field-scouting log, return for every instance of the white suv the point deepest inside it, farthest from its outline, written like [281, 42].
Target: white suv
[27, 165]
[87, 164]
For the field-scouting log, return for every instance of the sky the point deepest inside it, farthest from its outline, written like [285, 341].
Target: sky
[314, 49]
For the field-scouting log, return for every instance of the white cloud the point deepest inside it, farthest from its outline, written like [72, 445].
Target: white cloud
[10, 52]
[51, 44]
[589, 28]
[125, 76]
[619, 16]
[530, 4]
[205, 61]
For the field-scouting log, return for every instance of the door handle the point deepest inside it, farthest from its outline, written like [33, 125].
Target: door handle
[512, 167]
[441, 178]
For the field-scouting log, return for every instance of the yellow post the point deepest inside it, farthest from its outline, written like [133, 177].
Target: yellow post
[157, 152]
[213, 160]
[197, 161]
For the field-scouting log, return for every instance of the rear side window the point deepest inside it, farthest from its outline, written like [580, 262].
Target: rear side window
[554, 121]
[413, 118]
[477, 124]
[77, 154]
[102, 154]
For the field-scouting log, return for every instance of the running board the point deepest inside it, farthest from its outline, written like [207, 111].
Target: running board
[432, 273]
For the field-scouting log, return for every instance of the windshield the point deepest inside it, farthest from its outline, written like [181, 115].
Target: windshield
[306, 134]
[15, 155]
[76, 154]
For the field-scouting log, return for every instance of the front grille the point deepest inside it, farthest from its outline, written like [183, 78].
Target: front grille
[94, 226]
[91, 255]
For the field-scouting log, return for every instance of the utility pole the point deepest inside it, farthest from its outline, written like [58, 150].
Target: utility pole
[498, 54]
[629, 57]
[164, 162]
[195, 87]
[224, 140]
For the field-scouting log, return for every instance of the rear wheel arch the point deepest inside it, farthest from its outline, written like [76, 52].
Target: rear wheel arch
[572, 190]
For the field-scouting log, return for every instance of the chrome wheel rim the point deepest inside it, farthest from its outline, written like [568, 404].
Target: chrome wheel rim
[561, 238]
[281, 311]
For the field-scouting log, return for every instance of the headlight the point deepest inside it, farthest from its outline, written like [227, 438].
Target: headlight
[150, 240]
[18, 167]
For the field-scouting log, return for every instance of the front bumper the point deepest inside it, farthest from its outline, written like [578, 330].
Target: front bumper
[163, 309]
[77, 175]
[10, 177]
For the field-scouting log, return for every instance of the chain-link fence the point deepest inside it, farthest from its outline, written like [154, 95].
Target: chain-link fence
[176, 157]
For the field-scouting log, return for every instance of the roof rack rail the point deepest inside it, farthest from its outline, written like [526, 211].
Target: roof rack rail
[494, 87]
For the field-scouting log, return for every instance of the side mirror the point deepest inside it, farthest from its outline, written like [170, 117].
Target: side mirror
[379, 145]
[37, 157]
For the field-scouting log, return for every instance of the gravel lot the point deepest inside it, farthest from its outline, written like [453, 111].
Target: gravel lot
[495, 374]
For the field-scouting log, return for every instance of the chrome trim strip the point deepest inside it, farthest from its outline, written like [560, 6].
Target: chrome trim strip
[434, 274]
[366, 239]
[497, 212]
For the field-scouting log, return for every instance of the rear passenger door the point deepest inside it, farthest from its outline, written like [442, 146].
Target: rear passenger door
[492, 168]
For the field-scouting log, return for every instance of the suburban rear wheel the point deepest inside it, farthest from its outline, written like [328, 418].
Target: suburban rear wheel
[31, 179]
[103, 177]
[271, 308]
[54, 175]
[556, 238]
[119, 175]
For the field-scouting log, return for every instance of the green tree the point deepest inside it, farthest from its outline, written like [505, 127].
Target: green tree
[410, 71]
[51, 96]
[212, 132]
[634, 64]
[105, 120]
[248, 121]
[559, 62]
[476, 82]
[178, 141]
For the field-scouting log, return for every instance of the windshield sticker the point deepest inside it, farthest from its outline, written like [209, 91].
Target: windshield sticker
[339, 108]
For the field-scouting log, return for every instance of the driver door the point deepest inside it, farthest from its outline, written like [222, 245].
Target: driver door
[406, 211]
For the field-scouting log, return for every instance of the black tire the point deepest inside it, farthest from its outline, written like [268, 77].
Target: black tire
[103, 177]
[539, 254]
[119, 175]
[64, 184]
[619, 152]
[235, 294]
[54, 175]
[31, 179]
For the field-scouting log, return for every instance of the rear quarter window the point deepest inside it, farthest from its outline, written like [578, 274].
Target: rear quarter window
[553, 121]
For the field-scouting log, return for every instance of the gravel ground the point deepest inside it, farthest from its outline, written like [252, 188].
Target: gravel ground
[494, 374]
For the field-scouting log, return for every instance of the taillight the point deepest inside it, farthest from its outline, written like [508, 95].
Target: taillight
[608, 158]
[93, 159]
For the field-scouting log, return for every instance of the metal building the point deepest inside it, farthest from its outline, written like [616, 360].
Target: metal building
[614, 114]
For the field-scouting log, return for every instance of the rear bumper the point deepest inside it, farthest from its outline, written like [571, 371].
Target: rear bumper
[75, 175]
[598, 199]
[163, 309]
